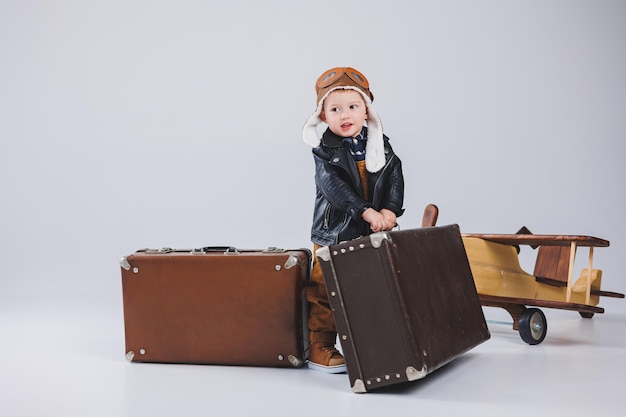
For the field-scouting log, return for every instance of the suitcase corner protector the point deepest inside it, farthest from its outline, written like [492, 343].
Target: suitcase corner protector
[323, 253]
[358, 387]
[413, 374]
[377, 239]
[130, 355]
[295, 361]
[124, 263]
[292, 260]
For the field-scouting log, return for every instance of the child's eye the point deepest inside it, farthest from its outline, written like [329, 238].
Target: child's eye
[354, 106]
[335, 109]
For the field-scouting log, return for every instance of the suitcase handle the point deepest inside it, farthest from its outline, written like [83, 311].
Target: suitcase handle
[225, 249]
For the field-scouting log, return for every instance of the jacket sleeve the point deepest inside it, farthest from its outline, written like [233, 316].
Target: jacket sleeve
[394, 198]
[336, 187]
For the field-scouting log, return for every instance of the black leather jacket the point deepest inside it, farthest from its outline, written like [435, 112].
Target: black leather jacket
[339, 201]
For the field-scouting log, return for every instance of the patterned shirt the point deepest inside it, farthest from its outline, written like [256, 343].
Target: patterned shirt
[356, 145]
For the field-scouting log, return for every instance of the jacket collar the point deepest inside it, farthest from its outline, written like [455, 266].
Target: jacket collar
[331, 140]
[374, 149]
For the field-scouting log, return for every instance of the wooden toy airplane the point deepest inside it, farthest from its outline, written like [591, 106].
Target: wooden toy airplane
[501, 282]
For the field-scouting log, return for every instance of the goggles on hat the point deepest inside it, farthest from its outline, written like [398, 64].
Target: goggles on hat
[335, 74]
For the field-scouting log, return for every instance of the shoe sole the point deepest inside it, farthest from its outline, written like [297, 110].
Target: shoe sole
[337, 369]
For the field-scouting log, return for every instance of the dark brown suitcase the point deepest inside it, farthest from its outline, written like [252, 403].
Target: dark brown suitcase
[404, 303]
[218, 306]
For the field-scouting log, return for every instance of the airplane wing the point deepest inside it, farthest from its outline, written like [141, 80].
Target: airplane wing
[538, 240]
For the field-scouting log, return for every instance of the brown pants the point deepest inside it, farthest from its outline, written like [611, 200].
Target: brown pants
[321, 324]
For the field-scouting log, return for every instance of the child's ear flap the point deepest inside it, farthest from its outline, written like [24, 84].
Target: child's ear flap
[322, 116]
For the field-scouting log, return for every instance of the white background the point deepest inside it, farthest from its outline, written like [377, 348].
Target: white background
[132, 124]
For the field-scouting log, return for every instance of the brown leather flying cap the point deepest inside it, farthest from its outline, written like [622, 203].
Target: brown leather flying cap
[341, 77]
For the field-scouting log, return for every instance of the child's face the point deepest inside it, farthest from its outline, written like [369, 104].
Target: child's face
[344, 112]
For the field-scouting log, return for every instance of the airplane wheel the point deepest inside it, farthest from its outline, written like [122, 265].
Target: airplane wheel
[586, 315]
[532, 326]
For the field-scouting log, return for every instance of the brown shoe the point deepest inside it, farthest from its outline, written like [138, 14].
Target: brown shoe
[326, 359]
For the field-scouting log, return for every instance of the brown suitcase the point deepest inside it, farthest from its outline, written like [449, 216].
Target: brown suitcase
[216, 306]
[404, 303]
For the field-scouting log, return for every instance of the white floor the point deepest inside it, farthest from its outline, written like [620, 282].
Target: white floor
[67, 359]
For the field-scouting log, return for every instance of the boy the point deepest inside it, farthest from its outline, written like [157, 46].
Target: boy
[359, 189]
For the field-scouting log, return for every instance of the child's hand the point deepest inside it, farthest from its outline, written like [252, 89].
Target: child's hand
[375, 219]
[390, 218]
